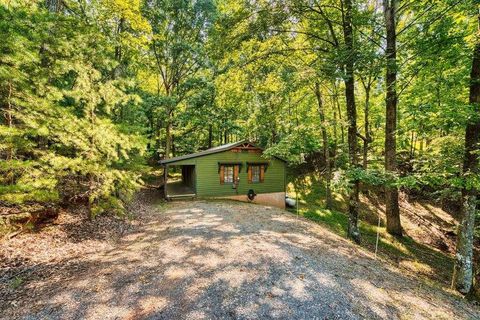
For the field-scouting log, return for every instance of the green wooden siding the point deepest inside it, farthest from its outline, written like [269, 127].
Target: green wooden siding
[208, 177]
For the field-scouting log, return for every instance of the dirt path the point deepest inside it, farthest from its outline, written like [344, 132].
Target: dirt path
[216, 260]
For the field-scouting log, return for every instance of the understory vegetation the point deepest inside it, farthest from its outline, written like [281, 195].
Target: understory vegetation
[375, 105]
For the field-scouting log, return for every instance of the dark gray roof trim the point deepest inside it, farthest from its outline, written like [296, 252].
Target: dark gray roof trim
[221, 148]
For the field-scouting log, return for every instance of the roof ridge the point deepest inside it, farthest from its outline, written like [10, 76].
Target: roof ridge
[216, 149]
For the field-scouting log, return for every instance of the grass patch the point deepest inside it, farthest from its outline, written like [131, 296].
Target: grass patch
[335, 221]
[16, 282]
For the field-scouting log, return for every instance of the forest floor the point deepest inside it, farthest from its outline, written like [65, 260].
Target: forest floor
[215, 259]
[428, 244]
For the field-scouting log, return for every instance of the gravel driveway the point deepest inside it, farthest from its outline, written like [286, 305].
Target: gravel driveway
[217, 260]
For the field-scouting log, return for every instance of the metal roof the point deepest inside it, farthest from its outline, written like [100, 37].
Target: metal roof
[221, 148]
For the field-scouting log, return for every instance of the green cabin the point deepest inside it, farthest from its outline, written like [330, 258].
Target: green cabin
[237, 171]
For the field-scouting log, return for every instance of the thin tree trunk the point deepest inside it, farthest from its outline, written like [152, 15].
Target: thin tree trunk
[368, 138]
[210, 136]
[54, 5]
[118, 50]
[353, 230]
[165, 180]
[342, 130]
[168, 136]
[463, 271]
[335, 135]
[391, 192]
[339, 113]
[326, 151]
[413, 141]
[91, 177]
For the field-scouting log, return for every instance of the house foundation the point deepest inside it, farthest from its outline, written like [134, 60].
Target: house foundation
[274, 199]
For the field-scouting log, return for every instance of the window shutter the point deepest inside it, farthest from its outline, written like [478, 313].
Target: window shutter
[235, 173]
[262, 173]
[249, 174]
[222, 174]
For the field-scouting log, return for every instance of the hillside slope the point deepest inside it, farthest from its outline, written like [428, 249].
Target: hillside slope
[428, 244]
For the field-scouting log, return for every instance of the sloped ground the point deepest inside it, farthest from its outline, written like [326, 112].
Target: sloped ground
[197, 260]
[428, 246]
[424, 222]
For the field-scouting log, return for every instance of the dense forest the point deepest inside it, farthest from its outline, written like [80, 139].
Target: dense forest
[371, 94]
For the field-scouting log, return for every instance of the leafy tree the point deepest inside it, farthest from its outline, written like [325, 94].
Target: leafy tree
[179, 34]
[59, 139]
[463, 272]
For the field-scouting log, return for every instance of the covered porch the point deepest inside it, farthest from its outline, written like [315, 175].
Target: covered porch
[180, 181]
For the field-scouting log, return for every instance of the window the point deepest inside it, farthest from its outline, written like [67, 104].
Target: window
[228, 174]
[255, 174]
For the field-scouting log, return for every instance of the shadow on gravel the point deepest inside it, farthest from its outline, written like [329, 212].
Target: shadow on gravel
[227, 260]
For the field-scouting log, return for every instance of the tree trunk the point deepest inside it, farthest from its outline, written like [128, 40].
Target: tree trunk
[165, 180]
[413, 141]
[326, 151]
[117, 71]
[392, 211]
[91, 154]
[342, 132]
[210, 136]
[463, 271]
[168, 136]
[368, 138]
[475, 291]
[54, 5]
[335, 135]
[353, 230]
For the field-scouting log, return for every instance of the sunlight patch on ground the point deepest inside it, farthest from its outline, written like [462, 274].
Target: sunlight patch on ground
[416, 266]
[103, 309]
[197, 314]
[377, 297]
[248, 309]
[182, 212]
[178, 272]
[424, 309]
[390, 241]
[235, 277]
[152, 303]
[209, 260]
[296, 288]
[227, 228]
[325, 280]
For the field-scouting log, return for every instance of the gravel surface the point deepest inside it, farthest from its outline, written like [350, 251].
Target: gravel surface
[216, 260]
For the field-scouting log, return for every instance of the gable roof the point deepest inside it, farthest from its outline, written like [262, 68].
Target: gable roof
[218, 149]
